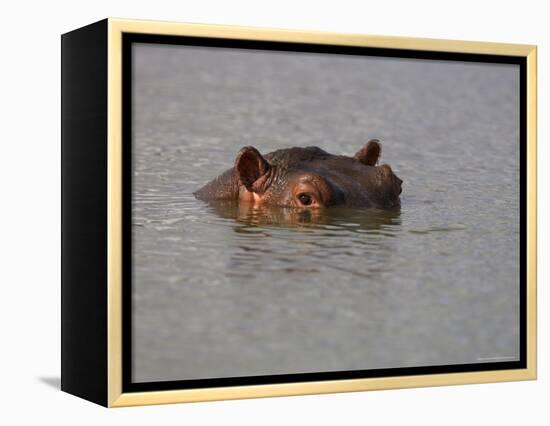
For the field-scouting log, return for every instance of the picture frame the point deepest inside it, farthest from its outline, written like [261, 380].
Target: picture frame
[96, 285]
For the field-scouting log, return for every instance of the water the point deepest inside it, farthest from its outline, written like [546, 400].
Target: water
[226, 291]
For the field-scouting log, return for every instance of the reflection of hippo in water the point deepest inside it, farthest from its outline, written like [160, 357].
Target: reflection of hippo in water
[336, 218]
[307, 178]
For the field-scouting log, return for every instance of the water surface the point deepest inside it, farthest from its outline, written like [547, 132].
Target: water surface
[221, 290]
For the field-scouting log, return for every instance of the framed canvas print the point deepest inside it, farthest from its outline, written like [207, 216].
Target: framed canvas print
[256, 212]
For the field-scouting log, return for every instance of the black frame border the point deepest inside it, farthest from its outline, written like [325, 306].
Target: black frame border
[84, 237]
[128, 39]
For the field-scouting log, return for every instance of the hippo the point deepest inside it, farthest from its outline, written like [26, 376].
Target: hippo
[307, 178]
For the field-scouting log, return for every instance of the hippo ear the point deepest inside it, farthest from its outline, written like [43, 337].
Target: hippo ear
[250, 167]
[369, 154]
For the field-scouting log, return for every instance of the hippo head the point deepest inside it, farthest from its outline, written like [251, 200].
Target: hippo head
[307, 178]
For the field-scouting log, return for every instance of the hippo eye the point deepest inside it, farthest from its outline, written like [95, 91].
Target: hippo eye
[305, 199]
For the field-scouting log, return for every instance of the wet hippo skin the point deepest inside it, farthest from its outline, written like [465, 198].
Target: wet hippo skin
[307, 178]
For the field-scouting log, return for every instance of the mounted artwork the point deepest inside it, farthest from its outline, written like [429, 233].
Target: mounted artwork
[253, 212]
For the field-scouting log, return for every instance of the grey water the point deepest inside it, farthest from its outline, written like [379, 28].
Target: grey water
[221, 290]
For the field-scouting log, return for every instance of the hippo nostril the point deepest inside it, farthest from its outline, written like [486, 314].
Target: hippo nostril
[399, 182]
